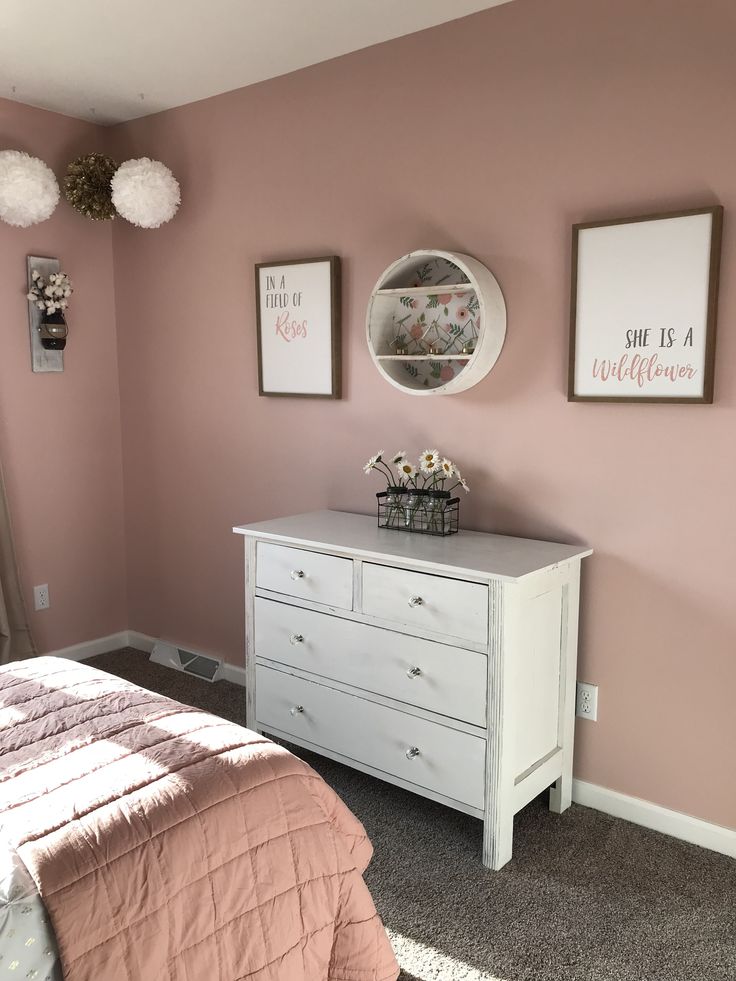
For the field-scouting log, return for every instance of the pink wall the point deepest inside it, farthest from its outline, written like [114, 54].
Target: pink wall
[491, 135]
[60, 433]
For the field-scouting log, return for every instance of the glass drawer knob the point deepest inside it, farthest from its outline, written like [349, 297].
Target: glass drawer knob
[296, 574]
[413, 672]
[296, 639]
[416, 601]
[296, 710]
[412, 752]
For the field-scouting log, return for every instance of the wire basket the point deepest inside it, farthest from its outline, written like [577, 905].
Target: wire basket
[402, 510]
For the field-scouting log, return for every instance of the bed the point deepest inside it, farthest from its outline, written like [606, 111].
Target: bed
[144, 840]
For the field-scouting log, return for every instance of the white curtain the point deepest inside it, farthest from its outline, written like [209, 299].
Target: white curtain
[15, 637]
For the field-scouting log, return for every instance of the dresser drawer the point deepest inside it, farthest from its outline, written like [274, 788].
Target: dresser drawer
[447, 680]
[309, 575]
[415, 599]
[448, 762]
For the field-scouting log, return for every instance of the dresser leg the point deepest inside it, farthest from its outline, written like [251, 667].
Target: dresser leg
[498, 836]
[560, 793]
[498, 818]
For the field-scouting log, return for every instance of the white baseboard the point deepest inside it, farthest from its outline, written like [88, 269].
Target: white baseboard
[648, 815]
[101, 645]
[232, 672]
[141, 642]
[228, 672]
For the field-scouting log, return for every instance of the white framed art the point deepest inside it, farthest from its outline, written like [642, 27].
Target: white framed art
[298, 327]
[643, 308]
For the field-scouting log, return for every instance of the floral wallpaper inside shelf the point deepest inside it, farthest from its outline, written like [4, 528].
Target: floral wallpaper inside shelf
[430, 272]
[440, 324]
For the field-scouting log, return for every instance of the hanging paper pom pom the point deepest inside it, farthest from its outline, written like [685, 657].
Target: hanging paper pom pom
[28, 189]
[145, 192]
[87, 186]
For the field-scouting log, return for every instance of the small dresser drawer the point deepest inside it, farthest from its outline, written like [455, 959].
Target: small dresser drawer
[414, 599]
[309, 575]
[424, 753]
[433, 676]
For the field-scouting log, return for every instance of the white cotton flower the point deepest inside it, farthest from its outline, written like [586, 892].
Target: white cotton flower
[145, 192]
[35, 274]
[49, 291]
[63, 304]
[41, 305]
[50, 308]
[28, 189]
[30, 296]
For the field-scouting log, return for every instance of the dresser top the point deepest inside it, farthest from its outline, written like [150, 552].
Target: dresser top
[472, 552]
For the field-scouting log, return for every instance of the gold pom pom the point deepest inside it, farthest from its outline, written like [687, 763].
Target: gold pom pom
[87, 186]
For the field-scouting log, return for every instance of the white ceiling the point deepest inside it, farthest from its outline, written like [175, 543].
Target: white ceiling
[111, 60]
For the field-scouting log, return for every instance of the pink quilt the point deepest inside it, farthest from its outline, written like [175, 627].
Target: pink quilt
[170, 844]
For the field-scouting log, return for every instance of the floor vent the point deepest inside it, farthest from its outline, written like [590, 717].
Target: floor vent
[207, 668]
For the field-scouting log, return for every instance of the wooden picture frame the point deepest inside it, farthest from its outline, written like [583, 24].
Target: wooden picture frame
[643, 303]
[298, 303]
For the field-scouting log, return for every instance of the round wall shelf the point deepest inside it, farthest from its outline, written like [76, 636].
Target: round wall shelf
[436, 322]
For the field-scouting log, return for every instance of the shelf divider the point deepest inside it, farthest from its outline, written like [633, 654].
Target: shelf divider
[428, 290]
[424, 357]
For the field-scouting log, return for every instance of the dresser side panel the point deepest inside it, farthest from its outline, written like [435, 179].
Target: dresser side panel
[534, 667]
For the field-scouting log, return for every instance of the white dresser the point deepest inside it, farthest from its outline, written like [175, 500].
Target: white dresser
[443, 665]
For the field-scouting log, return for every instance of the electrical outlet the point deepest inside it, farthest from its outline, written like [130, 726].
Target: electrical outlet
[586, 701]
[41, 598]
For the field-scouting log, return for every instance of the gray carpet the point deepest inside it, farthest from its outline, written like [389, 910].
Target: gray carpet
[585, 898]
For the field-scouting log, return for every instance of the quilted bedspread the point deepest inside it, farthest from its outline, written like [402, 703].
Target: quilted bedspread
[167, 843]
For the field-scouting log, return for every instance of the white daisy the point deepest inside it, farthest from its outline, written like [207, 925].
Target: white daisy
[406, 469]
[447, 467]
[429, 461]
[397, 458]
[373, 462]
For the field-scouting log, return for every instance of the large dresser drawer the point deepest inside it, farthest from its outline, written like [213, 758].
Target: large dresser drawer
[447, 680]
[308, 575]
[414, 599]
[424, 753]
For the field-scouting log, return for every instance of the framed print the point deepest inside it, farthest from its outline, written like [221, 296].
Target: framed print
[643, 308]
[298, 326]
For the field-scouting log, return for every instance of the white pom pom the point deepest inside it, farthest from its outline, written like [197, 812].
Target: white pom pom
[28, 189]
[145, 192]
